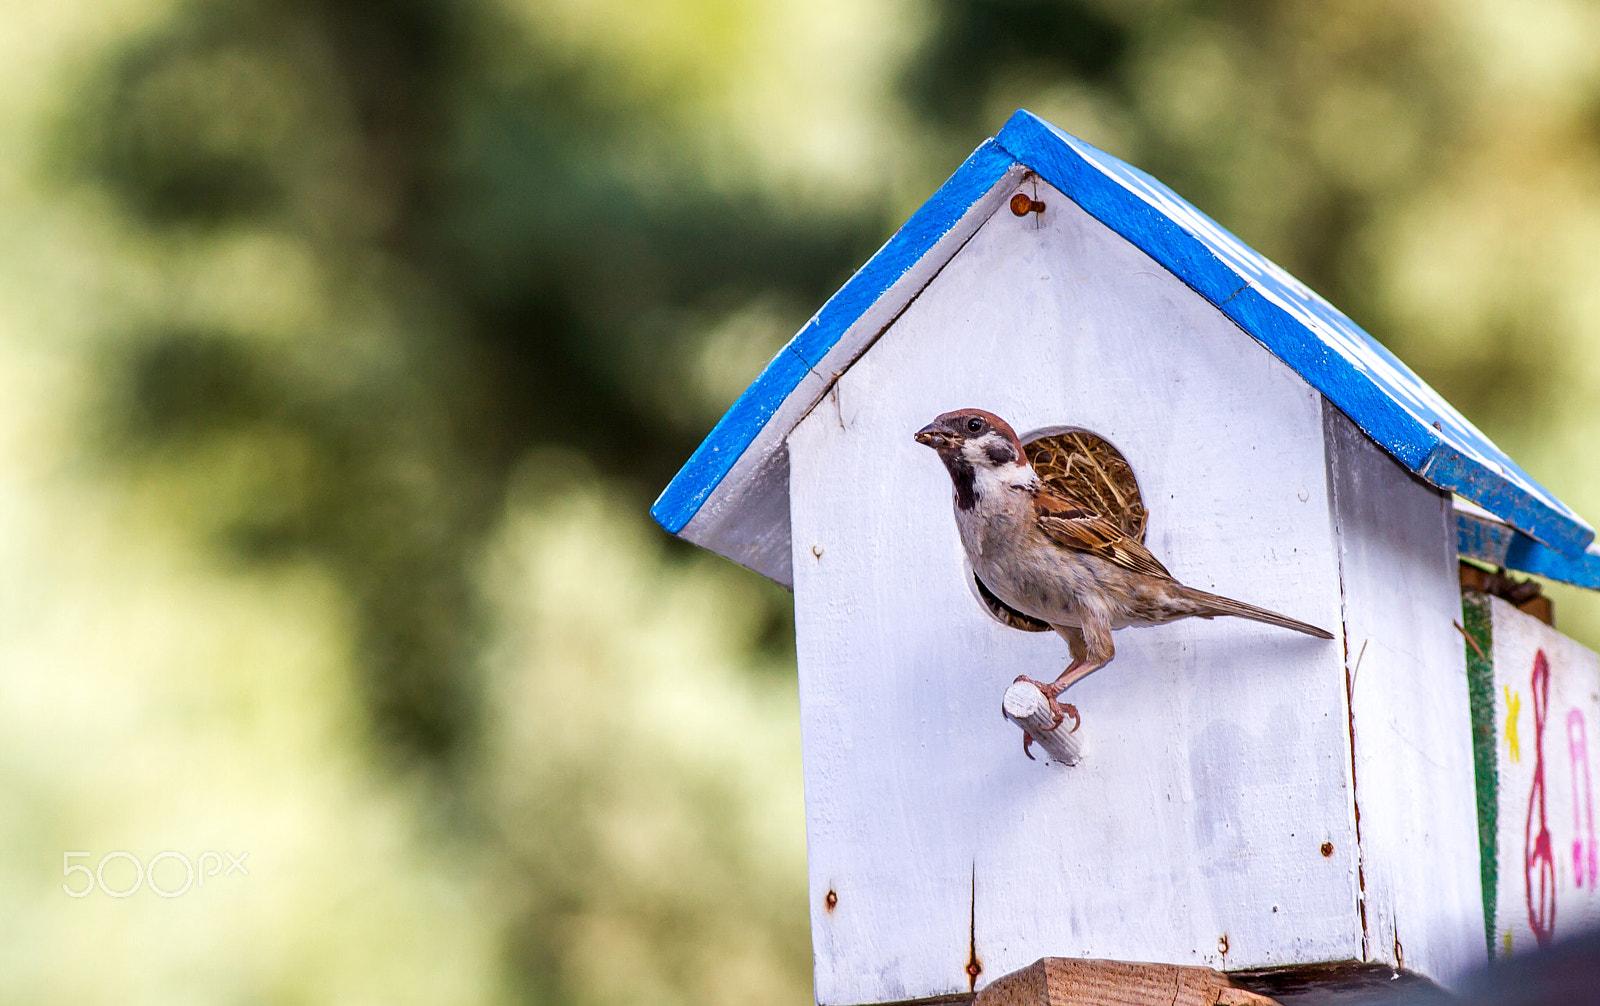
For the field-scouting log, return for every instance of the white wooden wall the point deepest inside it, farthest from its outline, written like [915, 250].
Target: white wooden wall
[1411, 714]
[745, 518]
[1218, 754]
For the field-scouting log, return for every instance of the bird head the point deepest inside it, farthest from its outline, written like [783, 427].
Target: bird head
[973, 437]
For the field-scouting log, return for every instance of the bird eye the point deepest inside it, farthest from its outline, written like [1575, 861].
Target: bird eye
[974, 424]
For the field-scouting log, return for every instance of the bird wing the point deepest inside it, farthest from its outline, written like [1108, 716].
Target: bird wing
[1072, 525]
[1080, 466]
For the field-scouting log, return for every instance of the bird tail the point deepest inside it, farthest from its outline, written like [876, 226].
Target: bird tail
[1212, 605]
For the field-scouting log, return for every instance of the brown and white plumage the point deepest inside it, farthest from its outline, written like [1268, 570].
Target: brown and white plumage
[1050, 559]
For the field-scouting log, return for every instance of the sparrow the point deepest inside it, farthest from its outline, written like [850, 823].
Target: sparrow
[1050, 560]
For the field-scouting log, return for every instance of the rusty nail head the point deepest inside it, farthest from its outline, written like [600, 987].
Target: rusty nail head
[1327, 848]
[1022, 204]
[1222, 944]
[831, 900]
[974, 969]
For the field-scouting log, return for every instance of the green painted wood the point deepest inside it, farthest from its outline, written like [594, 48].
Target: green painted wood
[1479, 631]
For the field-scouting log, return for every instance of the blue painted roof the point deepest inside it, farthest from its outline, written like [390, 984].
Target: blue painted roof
[710, 462]
[1378, 392]
[1484, 537]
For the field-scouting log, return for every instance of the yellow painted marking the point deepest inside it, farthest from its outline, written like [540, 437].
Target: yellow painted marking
[1513, 711]
[1508, 942]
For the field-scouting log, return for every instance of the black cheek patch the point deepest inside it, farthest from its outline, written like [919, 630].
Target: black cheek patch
[1000, 452]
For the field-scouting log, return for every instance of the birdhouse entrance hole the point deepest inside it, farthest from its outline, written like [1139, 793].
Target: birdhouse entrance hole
[1083, 466]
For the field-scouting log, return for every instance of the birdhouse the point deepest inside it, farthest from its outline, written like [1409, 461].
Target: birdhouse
[1236, 795]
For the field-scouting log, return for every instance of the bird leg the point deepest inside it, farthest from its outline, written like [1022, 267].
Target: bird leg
[1091, 649]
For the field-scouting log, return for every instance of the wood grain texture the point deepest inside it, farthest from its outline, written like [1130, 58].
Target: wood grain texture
[1547, 885]
[1220, 759]
[1410, 712]
[1057, 981]
[1025, 705]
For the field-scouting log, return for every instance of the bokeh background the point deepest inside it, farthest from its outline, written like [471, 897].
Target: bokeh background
[344, 343]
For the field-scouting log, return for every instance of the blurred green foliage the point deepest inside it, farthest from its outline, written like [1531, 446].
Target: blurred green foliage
[343, 345]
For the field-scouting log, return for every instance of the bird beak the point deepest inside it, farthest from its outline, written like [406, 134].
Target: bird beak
[933, 435]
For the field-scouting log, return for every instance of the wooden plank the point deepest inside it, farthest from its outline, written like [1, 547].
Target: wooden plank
[1218, 759]
[1546, 694]
[1529, 556]
[1483, 536]
[1409, 711]
[1057, 981]
[1525, 595]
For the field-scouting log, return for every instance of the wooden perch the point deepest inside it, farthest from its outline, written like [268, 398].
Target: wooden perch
[1060, 981]
[1028, 708]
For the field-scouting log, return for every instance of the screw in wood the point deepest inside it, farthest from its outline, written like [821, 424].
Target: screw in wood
[1022, 204]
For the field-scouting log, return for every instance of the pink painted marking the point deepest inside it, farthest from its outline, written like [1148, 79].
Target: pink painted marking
[1582, 810]
[1538, 863]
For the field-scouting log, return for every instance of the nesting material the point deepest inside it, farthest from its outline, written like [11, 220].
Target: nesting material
[1086, 468]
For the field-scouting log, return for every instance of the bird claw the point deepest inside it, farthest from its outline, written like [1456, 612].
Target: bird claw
[1061, 710]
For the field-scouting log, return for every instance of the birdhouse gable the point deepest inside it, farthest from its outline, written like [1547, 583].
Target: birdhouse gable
[732, 495]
